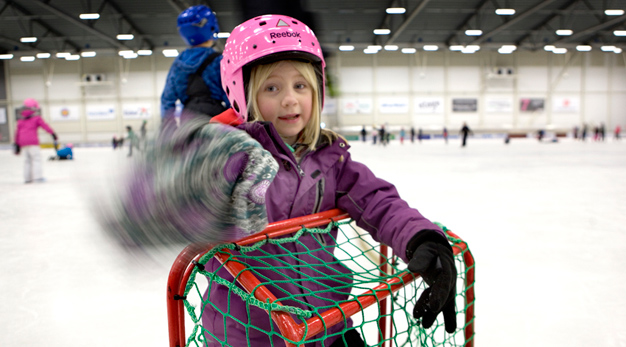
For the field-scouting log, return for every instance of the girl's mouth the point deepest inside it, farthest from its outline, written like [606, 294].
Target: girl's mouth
[289, 117]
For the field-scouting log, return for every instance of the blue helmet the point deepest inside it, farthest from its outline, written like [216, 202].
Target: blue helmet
[197, 24]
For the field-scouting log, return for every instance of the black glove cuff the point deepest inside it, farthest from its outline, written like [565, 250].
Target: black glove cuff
[425, 236]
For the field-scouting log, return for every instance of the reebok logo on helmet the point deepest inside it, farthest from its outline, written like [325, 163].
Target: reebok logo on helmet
[284, 34]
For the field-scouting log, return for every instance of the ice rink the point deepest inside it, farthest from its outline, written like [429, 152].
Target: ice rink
[546, 223]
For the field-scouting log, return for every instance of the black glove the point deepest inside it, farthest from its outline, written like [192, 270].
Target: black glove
[54, 136]
[17, 148]
[431, 256]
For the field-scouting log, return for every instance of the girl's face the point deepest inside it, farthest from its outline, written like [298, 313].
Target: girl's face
[286, 99]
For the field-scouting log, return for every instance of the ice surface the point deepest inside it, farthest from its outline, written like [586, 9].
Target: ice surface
[546, 223]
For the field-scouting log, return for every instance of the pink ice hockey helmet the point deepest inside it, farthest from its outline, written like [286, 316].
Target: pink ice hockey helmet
[31, 106]
[31, 103]
[262, 40]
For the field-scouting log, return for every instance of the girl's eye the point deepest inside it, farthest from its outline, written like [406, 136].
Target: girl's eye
[301, 85]
[270, 88]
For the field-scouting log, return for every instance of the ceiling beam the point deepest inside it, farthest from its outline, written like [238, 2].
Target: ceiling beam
[132, 25]
[178, 5]
[114, 42]
[592, 30]
[463, 25]
[545, 22]
[407, 21]
[515, 20]
[42, 24]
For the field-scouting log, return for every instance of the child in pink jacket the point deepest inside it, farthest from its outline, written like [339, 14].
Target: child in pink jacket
[27, 141]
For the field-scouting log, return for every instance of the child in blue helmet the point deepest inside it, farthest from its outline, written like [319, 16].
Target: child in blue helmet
[194, 77]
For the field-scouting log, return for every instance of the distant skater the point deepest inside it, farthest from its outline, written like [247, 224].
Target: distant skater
[27, 141]
[465, 130]
[133, 140]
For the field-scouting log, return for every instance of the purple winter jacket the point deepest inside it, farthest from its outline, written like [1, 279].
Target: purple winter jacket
[26, 132]
[326, 178]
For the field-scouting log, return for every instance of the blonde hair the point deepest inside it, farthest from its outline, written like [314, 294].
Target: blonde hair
[311, 132]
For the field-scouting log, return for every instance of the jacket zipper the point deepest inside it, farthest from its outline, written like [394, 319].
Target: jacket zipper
[318, 204]
[320, 195]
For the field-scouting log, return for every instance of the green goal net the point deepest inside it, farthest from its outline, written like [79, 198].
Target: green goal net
[379, 292]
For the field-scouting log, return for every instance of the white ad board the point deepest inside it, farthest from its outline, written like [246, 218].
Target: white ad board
[565, 104]
[356, 106]
[64, 113]
[101, 112]
[428, 105]
[495, 104]
[395, 105]
[136, 111]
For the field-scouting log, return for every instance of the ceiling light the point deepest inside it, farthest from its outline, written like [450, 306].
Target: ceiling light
[170, 53]
[505, 12]
[382, 31]
[456, 47]
[144, 52]
[391, 48]
[63, 54]
[132, 55]
[431, 48]
[27, 58]
[88, 54]
[583, 48]
[613, 12]
[619, 32]
[470, 49]
[548, 48]
[125, 52]
[473, 32]
[43, 55]
[564, 32]
[223, 35]
[370, 51]
[28, 39]
[89, 16]
[617, 50]
[559, 50]
[608, 48]
[72, 57]
[395, 10]
[346, 48]
[408, 50]
[6, 56]
[375, 47]
[507, 49]
[125, 37]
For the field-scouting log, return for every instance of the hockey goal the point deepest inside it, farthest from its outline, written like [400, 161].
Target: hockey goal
[380, 303]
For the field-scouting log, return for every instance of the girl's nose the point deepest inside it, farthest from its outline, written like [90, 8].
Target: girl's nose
[289, 98]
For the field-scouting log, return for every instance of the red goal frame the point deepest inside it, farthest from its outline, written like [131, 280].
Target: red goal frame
[183, 266]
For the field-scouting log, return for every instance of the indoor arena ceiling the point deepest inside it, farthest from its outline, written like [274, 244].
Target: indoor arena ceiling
[56, 26]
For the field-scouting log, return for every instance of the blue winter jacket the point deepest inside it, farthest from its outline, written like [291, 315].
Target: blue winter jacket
[185, 65]
[324, 179]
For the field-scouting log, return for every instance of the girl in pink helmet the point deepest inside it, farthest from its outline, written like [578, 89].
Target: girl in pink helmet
[27, 140]
[273, 73]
